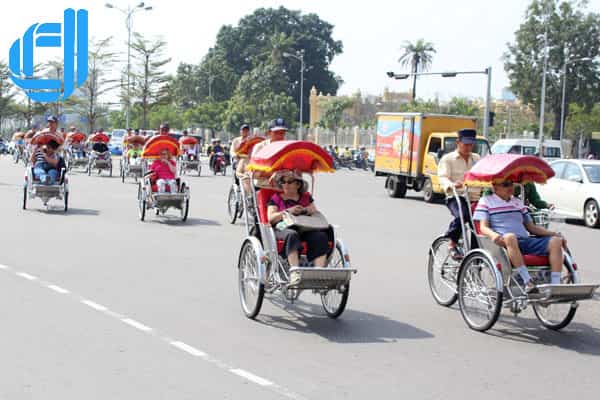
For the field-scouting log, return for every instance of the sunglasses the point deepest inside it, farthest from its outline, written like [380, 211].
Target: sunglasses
[505, 184]
[288, 182]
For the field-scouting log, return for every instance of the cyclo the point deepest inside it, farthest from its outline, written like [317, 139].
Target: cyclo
[18, 152]
[260, 267]
[130, 165]
[148, 194]
[33, 188]
[189, 160]
[235, 206]
[75, 150]
[483, 281]
[99, 155]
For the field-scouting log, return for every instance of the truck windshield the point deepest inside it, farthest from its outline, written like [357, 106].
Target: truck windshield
[481, 146]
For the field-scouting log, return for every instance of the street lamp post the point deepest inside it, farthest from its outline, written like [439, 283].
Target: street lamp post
[487, 71]
[543, 95]
[300, 57]
[128, 21]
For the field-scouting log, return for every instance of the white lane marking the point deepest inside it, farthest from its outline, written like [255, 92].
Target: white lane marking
[251, 377]
[189, 349]
[57, 289]
[177, 344]
[27, 276]
[136, 325]
[95, 306]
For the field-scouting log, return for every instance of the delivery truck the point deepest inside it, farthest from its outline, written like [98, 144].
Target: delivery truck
[409, 147]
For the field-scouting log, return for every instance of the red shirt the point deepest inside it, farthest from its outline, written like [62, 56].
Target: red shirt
[162, 170]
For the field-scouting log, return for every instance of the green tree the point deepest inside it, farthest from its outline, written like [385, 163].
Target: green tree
[7, 94]
[463, 106]
[566, 24]
[333, 112]
[98, 83]
[208, 115]
[150, 79]
[263, 37]
[418, 56]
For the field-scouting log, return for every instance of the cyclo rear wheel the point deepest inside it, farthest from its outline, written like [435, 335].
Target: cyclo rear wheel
[442, 271]
[251, 289]
[558, 315]
[334, 300]
[480, 291]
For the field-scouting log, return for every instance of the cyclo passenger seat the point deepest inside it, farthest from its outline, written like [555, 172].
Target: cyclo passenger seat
[531, 260]
[262, 197]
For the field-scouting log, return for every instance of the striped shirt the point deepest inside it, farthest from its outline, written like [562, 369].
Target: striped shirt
[503, 216]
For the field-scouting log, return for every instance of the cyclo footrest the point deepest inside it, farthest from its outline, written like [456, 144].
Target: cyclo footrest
[562, 293]
[321, 278]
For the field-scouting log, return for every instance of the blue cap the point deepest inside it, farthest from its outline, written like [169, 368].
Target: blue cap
[52, 118]
[278, 124]
[467, 136]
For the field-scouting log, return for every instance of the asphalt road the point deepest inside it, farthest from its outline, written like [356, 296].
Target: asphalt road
[98, 305]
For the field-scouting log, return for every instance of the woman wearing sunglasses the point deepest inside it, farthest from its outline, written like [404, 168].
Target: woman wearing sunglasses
[295, 200]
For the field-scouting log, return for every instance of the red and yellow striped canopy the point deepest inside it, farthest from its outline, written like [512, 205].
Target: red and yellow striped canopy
[76, 137]
[505, 167]
[156, 144]
[45, 137]
[188, 141]
[99, 137]
[291, 155]
[247, 145]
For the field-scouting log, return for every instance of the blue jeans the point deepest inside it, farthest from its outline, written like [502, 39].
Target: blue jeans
[41, 172]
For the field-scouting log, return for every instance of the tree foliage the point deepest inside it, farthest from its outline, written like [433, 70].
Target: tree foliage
[418, 56]
[150, 78]
[572, 34]
[7, 94]
[333, 112]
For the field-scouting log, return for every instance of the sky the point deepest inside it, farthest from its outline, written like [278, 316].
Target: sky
[467, 34]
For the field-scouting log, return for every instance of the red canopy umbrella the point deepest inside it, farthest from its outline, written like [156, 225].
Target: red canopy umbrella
[247, 145]
[188, 140]
[45, 137]
[291, 155]
[504, 167]
[99, 137]
[136, 139]
[76, 137]
[156, 144]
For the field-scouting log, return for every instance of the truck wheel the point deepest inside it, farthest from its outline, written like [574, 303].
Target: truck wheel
[395, 186]
[428, 193]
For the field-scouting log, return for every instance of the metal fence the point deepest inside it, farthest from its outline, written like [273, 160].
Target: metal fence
[343, 137]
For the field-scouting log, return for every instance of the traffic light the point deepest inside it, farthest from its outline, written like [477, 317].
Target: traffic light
[491, 116]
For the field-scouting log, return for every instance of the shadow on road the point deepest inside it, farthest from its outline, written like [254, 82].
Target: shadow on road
[166, 220]
[352, 327]
[578, 337]
[71, 211]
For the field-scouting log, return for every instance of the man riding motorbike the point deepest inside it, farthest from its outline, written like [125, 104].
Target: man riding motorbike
[217, 151]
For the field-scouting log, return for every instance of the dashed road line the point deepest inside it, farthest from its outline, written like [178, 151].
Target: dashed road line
[136, 324]
[27, 276]
[57, 289]
[191, 350]
[188, 349]
[251, 377]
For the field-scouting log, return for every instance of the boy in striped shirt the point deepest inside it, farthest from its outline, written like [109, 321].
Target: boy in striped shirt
[504, 219]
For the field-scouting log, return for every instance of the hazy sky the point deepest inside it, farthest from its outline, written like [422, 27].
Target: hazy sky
[468, 34]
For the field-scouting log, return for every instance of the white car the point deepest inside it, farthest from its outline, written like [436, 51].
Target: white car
[575, 190]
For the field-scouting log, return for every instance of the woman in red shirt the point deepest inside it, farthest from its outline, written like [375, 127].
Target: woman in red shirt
[165, 168]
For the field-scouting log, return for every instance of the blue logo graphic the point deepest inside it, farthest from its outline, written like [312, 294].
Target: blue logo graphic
[72, 36]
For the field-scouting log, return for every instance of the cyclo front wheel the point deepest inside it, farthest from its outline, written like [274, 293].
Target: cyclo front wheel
[334, 300]
[251, 289]
[480, 291]
[442, 271]
[558, 315]
[232, 205]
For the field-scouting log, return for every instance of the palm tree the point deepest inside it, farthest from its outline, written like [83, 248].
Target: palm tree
[418, 56]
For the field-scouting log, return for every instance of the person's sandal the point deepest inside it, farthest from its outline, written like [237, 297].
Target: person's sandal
[455, 254]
